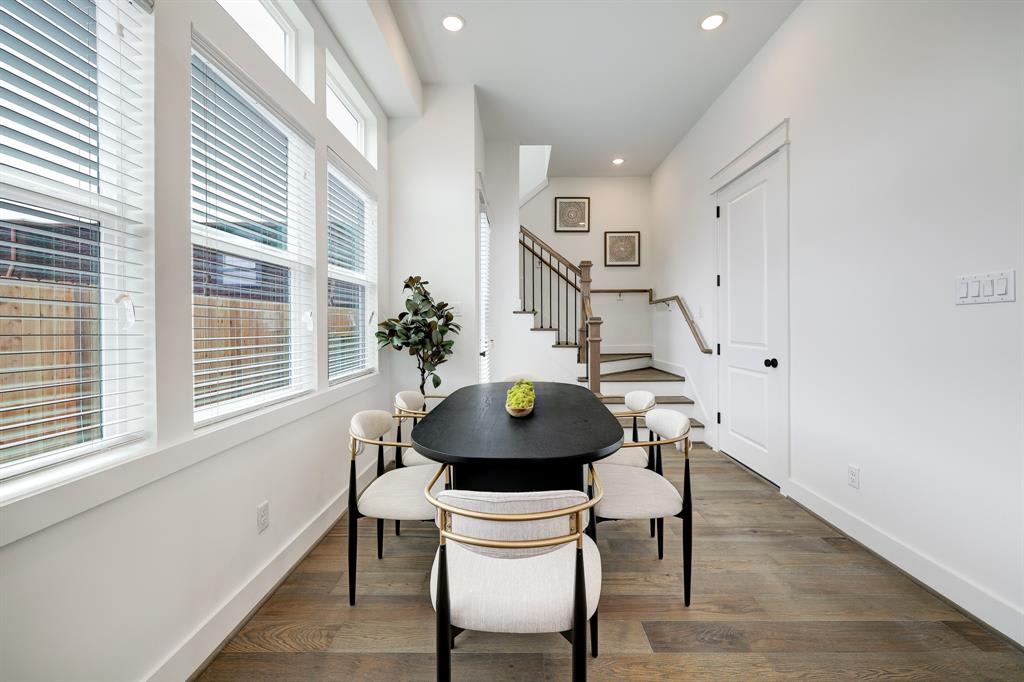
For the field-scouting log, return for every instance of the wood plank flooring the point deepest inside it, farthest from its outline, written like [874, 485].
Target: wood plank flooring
[776, 595]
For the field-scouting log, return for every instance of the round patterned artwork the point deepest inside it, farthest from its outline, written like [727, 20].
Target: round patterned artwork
[572, 214]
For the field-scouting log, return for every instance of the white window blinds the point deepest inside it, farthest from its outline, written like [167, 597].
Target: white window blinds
[252, 250]
[351, 276]
[73, 266]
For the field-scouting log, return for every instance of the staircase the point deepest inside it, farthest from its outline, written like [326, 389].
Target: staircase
[556, 294]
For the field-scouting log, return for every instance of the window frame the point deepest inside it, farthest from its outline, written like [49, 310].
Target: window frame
[368, 279]
[341, 86]
[301, 267]
[119, 225]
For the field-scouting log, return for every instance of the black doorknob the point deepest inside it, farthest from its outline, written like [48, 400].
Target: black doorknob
[771, 363]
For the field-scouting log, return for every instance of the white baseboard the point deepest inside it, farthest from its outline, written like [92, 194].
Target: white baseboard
[972, 598]
[192, 655]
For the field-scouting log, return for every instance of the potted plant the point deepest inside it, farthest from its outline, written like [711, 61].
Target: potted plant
[421, 330]
[520, 398]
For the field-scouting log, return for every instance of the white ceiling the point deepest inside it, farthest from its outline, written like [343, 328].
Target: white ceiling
[595, 79]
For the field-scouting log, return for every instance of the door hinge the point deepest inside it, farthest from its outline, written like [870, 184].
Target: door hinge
[718, 211]
[718, 280]
[718, 347]
[719, 418]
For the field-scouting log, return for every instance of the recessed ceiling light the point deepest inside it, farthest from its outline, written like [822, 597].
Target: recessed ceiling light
[712, 22]
[618, 162]
[453, 22]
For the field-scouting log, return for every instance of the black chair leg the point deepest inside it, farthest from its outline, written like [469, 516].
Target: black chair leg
[687, 533]
[398, 527]
[380, 538]
[443, 639]
[579, 623]
[593, 634]
[661, 538]
[653, 531]
[353, 534]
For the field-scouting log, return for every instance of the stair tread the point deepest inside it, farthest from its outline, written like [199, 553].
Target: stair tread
[565, 345]
[524, 312]
[611, 357]
[660, 400]
[543, 329]
[644, 374]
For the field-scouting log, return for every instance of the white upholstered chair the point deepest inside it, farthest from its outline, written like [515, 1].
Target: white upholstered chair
[639, 493]
[515, 563]
[395, 494]
[638, 403]
[411, 405]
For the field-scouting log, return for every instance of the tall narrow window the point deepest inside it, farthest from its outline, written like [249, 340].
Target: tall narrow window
[73, 290]
[351, 277]
[252, 251]
[485, 295]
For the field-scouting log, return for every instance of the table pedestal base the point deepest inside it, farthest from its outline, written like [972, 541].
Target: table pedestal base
[518, 477]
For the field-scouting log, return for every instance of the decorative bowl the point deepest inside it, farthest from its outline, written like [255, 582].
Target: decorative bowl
[519, 411]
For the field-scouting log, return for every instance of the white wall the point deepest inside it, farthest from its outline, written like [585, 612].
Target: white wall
[907, 169]
[533, 170]
[141, 569]
[434, 220]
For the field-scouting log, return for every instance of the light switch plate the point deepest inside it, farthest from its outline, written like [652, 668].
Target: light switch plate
[989, 287]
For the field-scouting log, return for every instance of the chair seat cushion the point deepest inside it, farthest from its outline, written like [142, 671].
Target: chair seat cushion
[635, 493]
[520, 595]
[630, 457]
[398, 494]
[411, 458]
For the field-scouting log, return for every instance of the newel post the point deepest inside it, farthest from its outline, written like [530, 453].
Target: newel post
[585, 281]
[594, 354]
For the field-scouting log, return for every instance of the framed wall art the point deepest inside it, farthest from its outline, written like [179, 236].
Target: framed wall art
[621, 249]
[572, 214]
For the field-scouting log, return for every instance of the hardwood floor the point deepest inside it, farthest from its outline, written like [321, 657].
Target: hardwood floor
[776, 595]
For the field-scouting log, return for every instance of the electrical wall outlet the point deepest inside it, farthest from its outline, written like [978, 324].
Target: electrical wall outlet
[853, 476]
[262, 516]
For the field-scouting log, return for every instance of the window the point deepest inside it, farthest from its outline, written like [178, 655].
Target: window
[344, 119]
[72, 256]
[485, 293]
[252, 251]
[351, 277]
[349, 112]
[267, 28]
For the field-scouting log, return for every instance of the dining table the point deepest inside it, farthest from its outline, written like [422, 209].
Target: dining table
[490, 450]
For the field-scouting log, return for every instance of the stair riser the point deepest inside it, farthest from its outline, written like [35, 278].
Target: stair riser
[623, 365]
[656, 387]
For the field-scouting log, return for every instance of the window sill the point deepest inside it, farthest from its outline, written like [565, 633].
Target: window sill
[33, 502]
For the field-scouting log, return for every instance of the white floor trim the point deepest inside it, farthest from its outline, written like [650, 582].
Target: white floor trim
[972, 598]
[194, 652]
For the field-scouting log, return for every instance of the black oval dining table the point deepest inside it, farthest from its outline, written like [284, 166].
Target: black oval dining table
[491, 450]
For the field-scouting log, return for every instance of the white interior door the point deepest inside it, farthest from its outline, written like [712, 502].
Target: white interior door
[753, 319]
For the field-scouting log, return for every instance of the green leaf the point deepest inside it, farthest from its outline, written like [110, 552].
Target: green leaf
[436, 380]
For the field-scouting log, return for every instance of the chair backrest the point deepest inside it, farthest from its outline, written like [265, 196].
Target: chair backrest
[511, 503]
[410, 400]
[370, 424]
[668, 424]
[638, 401]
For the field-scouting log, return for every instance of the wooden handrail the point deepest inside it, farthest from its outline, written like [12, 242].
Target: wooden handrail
[562, 259]
[680, 303]
[564, 278]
